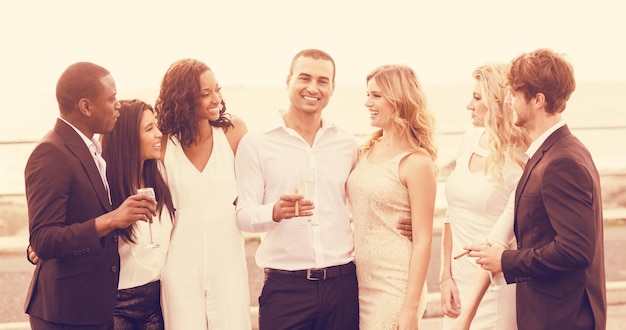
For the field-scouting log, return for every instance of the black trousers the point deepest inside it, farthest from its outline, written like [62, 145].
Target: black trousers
[294, 302]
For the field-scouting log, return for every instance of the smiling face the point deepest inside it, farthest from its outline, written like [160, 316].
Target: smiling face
[381, 110]
[209, 105]
[477, 106]
[310, 85]
[149, 136]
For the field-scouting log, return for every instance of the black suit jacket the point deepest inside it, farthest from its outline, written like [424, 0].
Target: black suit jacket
[559, 264]
[76, 280]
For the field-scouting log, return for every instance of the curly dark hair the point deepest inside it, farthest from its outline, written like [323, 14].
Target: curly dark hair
[179, 97]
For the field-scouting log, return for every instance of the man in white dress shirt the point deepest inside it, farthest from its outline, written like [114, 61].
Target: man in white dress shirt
[307, 251]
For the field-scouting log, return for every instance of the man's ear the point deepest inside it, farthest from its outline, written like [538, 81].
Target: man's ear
[539, 100]
[84, 106]
[287, 81]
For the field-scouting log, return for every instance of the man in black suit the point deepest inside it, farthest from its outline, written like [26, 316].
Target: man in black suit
[71, 223]
[559, 262]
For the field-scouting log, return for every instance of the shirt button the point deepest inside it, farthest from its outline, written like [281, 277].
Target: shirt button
[114, 269]
[115, 237]
[519, 246]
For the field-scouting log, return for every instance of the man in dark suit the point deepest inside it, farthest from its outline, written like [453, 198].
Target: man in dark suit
[71, 222]
[559, 262]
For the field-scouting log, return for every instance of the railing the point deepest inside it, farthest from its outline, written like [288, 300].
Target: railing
[581, 128]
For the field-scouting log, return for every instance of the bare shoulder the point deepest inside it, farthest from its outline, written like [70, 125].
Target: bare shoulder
[236, 132]
[417, 160]
[416, 164]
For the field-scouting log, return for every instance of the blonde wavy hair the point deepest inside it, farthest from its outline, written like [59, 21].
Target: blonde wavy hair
[503, 136]
[400, 86]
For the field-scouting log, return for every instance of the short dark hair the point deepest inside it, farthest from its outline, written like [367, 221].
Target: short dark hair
[79, 80]
[314, 54]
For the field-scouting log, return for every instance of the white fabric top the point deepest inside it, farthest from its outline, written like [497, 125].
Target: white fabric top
[477, 203]
[134, 272]
[270, 162]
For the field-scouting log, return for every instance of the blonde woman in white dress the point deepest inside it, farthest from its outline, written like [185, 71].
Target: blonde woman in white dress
[489, 164]
[395, 178]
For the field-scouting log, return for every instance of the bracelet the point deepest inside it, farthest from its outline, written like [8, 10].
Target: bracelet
[445, 279]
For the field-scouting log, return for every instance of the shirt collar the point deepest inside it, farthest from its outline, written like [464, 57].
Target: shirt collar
[534, 146]
[93, 144]
[276, 121]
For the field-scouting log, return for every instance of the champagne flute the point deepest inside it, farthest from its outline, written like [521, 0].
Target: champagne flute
[149, 191]
[307, 187]
[148, 255]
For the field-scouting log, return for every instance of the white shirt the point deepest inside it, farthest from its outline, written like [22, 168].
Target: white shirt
[269, 163]
[534, 146]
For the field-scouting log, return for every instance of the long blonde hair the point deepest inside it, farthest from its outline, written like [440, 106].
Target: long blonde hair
[411, 117]
[503, 136]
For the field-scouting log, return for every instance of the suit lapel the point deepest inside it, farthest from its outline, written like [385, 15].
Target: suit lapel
[547, 144]
[526, 174]
[78, 147]
[522, 184]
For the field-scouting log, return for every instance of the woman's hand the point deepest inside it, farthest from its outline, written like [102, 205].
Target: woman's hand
[32, 256]
[407, 319]
[450, 300]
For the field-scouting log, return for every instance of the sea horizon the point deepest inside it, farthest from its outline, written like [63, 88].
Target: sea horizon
[30, 114]
[595, 113]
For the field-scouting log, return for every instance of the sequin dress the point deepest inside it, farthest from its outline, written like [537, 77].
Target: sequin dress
[378, 201]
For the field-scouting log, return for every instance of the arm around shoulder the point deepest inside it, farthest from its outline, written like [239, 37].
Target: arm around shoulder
[235, 133]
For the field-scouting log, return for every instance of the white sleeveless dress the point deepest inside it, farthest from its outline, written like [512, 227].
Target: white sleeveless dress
[475, 204]
[205, 278]
[382, 255]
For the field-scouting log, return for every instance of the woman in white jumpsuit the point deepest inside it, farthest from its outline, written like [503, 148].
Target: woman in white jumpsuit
[205, 278]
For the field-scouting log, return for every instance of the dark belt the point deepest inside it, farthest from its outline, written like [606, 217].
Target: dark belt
[315, 274]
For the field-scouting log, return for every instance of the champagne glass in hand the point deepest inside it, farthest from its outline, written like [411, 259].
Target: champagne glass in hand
[148, 255]
[149, 192]
[306, 188]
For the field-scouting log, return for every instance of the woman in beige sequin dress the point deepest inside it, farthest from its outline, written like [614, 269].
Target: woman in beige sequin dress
[395, 178]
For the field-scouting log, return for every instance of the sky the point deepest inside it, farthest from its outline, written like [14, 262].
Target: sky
[251, 43]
